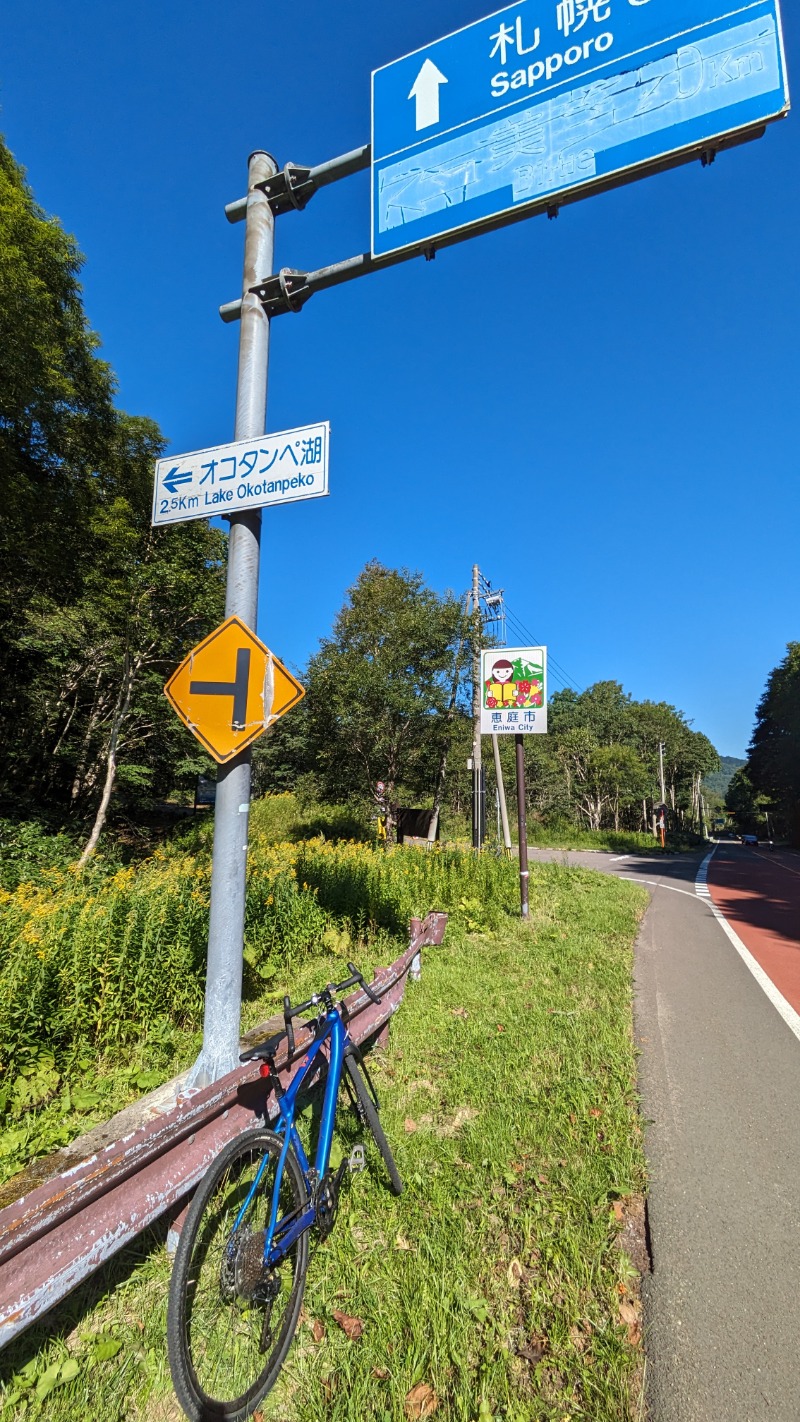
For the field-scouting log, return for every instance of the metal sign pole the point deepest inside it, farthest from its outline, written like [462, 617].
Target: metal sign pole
[523, 827]
[220, 1052]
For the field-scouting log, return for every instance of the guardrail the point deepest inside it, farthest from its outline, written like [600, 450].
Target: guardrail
[57, 1234]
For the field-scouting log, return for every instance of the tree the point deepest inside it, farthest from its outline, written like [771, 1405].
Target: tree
[56, 414]
[378, 690]
[773, 763]
[96, 607]
[607, 746]
[149, 594]
[741, 802]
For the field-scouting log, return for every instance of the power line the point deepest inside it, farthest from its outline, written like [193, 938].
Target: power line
[556, 671]
[495, 615]
[560, 672]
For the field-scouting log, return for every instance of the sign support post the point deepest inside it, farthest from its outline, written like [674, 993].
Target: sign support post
[524, 874]
[221, 1026]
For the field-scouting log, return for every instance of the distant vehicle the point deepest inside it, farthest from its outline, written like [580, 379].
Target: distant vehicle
[750, 839]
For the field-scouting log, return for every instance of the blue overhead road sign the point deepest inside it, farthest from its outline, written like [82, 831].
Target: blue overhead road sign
[550, 97]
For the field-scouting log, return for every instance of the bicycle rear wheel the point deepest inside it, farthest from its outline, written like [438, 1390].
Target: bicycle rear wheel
[230, 1321]
[367, 1112]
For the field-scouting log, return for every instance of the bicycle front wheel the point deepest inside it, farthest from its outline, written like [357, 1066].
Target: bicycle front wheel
[230, 1321]
[367, 1111]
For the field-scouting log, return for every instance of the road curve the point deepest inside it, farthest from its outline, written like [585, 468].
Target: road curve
[719, 1078]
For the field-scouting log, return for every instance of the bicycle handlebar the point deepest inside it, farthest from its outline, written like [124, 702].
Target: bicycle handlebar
[355, 980]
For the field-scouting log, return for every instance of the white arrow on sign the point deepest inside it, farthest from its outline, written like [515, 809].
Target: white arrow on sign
[426, 93]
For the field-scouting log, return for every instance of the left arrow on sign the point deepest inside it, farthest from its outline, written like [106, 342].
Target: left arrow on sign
[173, 480]
[426, 93]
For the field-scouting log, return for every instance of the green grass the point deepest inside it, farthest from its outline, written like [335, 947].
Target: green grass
[277, 819]
[494, 1281]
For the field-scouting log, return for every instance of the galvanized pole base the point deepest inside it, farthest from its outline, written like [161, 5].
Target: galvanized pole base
[220, 1052]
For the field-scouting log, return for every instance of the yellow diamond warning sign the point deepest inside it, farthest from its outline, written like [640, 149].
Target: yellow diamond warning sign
[230, 689]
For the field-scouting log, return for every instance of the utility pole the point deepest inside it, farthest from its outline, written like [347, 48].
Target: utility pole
[477, 764]
[438, 793]
[661, 771]
[495, 614]
[221, 1026]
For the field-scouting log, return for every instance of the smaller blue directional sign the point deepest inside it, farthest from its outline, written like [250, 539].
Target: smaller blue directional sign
[275, 469]
[550, 96]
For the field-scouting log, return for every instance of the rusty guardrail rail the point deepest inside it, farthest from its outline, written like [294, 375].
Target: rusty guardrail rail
[103, 1195]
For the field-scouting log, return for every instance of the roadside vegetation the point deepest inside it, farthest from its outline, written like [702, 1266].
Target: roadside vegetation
[763, 796]
[102, 970]
[494, 1287]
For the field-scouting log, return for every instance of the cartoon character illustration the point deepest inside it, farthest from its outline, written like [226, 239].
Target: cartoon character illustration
[514, 684]
[500, 688]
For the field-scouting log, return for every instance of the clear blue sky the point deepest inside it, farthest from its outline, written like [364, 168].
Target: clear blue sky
[601, 411]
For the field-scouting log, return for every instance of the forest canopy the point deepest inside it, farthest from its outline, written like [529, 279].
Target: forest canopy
[96, 607]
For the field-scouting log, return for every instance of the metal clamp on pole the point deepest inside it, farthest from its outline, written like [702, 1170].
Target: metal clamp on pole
[296, 184]
[288, 290]
[290, 189]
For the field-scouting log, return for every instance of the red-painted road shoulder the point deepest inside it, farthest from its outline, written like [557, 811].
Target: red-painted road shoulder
[758, 891]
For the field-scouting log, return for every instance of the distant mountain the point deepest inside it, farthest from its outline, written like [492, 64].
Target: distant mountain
[721, 779]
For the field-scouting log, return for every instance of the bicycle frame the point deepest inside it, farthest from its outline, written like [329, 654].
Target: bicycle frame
[281, 1234]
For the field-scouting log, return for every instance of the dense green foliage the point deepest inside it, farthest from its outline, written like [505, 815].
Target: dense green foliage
[96, 607]
[94, 963]
[770, 782]
[379, 687]
[493, 1288]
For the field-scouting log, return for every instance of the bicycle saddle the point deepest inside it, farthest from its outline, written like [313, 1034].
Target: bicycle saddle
[265, 1049]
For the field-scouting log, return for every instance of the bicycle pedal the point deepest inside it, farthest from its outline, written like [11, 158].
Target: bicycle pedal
[357, 1159]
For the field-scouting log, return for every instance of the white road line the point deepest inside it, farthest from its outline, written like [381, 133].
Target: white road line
[657, 884]
[787, 1012]
[768, 859]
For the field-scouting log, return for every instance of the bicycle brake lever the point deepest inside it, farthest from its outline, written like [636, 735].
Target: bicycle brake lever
[373, 997]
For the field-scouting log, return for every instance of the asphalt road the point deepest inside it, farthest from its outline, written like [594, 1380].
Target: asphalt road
[719, 1077]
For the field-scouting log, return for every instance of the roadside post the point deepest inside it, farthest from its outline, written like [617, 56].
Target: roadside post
[478, 777]
[513, 689]
[220, 1050]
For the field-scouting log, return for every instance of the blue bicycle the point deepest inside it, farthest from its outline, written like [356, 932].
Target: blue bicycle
[240, 1267]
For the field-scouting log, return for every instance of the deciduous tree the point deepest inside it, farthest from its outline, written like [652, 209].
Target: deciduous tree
[773, 764]
[379, 687]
